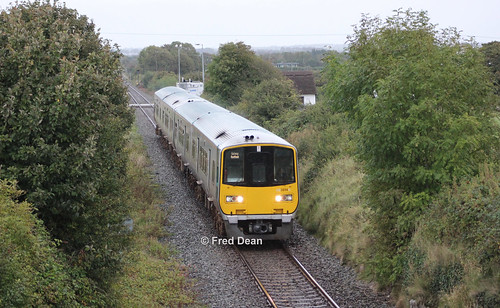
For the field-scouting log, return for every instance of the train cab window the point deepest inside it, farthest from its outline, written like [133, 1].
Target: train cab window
[258, 173]
[259, 166]
[234, 166]
[283, 166]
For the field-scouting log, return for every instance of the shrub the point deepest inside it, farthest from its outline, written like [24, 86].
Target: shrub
[423, 104]
[32, 271]
[63, 119]
[457, 246]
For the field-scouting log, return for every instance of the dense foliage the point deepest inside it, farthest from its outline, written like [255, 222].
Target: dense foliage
[166, 58]
[492, 54]
[453, 259]
[268, 100]
[32, 272]
[62, 124]
[309, 60]
[158, 67]
[423, 103]
[235, 69]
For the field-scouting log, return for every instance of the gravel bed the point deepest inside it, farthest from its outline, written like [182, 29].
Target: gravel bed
[220, 278]
[340, 281]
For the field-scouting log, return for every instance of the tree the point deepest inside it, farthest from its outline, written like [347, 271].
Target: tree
[62, 125]
[33, 272]
[423, 103]
[189, 58]
[165, 58]
[268, 100]
[491, 51]
[235, 69]
[155, 59]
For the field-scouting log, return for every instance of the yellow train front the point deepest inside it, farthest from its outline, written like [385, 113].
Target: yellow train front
[258, 192]
[248, 174]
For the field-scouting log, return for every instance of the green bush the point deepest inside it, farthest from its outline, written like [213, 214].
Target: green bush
[63, 119]
[423, 104]
[453, 258]
[161, 80]
[235, 69]
[268, 100]
[32, 271]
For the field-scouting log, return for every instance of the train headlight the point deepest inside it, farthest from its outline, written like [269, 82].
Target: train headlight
[280, 198]
[238, 199]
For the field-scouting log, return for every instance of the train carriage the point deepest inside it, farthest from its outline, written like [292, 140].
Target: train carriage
[249, 175]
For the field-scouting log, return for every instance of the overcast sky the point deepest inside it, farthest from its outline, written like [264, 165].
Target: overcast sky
[264, 23]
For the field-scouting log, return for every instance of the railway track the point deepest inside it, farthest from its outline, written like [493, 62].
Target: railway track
[282, 278]
[141, 102]
[279, 275]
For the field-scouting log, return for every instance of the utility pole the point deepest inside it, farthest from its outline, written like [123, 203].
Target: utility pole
[179, 46]
[202, 63]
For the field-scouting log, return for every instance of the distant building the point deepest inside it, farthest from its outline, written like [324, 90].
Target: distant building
[287, 65]
[304, 83]
[195, 87]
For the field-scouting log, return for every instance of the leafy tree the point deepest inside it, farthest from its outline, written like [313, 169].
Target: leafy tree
[155, 59]
[491, 51]
[27, 256]
[165, 58]
[268, 100]
[62, 124]
[189, 57]
[423, 103]
[235, 69]
[306, 59]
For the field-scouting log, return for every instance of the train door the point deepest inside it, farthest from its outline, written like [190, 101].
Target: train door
[209, 178]
[185, 141]
[212, 172]
[198, 155]
[187, 135]
[174, 133]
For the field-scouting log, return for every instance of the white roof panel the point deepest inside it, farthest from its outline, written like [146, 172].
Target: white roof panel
[221, 126]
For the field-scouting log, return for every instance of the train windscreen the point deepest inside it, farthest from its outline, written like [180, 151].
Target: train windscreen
[259, 166]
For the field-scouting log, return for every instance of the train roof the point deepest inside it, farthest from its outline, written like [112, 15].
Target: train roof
[221, 126]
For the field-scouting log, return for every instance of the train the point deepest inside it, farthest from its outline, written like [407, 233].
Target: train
[246, 176]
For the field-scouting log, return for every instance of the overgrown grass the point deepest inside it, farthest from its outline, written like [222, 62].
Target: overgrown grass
[332, 208]
[152, 277]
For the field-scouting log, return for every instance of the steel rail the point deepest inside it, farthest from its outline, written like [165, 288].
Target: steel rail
[257, 280]
[140, 94]
[142, 109]
[311, 279]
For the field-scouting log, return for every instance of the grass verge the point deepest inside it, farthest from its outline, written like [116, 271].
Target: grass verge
[152, 277]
